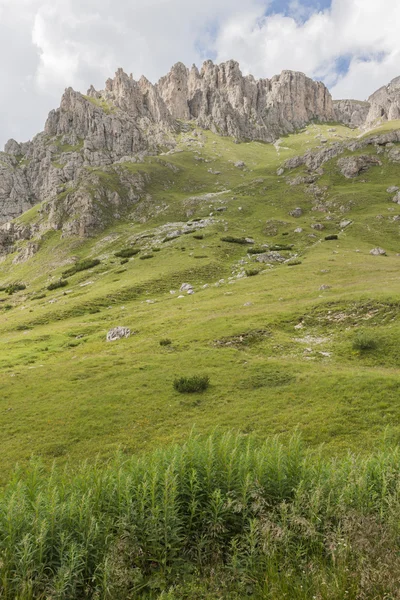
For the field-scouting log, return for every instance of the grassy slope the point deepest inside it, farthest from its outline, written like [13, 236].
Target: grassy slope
[65, 391]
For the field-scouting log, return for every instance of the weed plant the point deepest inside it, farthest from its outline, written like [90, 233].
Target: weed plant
[228, 517]
[364, 341]
[192, 385]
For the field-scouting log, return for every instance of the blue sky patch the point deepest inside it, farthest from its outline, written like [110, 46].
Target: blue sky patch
[307, 7]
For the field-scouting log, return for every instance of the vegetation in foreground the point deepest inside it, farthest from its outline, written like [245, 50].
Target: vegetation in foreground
[224, 517]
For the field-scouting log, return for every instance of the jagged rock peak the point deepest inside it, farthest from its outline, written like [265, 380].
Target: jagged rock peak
[384, 104]
[220, 98]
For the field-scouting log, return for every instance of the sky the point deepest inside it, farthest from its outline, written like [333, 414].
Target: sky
[353, 46]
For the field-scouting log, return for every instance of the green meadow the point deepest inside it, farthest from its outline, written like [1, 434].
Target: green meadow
[277, 342]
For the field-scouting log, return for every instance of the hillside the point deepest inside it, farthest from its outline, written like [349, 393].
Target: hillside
[272, 321]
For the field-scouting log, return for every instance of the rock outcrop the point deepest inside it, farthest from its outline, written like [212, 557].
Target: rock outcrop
[384, 104]
[352, 113]
[75, 167]
[221, 99]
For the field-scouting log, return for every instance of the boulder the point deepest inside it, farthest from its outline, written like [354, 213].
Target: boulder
[352, 166]
[378, 252]
[297, 212]
[117, 333]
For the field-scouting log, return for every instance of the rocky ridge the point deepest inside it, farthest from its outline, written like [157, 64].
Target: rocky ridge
[63, 167]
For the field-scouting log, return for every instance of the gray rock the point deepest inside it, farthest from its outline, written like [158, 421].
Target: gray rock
[297, 212]
[240, 164]
[392, 189]
[352, 166]
[351, 112]
[344, 224]
[298, 230]
[378, 252]
[186, 287]
[270, 257]
[117, 333]
[318, 226]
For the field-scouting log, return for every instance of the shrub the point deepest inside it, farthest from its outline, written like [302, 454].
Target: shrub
[331, 237]
[14, 287]
[57, 284]
[293, 262]
[256, 250]
[156, 249]
[127, 252]
[235, 240]
[38, 297]
[252, 272]
[191, 385]
[146, 256]
[364, 341]
[198, 236]
[165, 342]
[82, 265]
[279, 247]
[124, 261]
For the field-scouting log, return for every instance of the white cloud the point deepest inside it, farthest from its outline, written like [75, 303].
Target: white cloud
[48, 45]
[365, 30]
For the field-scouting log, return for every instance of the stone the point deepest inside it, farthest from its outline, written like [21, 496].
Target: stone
[392, 189]
[345, 223]
[298, 230]
[297, 212]
[325, 287]
[118, 333]
[240, 164]
[352, 166]
[378, 252]
[186, 287]
[318, 226]
[396, 198]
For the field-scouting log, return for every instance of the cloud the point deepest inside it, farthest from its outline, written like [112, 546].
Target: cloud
[361, 35]
[352, 45]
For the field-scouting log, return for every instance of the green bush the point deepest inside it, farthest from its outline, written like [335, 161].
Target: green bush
[82, 265]
[127, 252]
[38, 297]
[252, 272]
[293, 262]
[12, 288]
[235, 240]
[198, 236]
[192, 385]
[165, 342]
[280, 247]
[331, 237]
[146, 256]
[364, 341]
[57, 284]
[256, 250]
[124, 261]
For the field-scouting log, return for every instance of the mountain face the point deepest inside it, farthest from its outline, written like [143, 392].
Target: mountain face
[76, 167]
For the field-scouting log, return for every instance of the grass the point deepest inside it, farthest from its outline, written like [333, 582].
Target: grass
[335, 395]
[225, 516]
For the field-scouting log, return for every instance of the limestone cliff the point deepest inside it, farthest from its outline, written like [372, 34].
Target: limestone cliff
[129, 119]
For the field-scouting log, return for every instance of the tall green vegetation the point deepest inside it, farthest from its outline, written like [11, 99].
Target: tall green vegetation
[225, 517]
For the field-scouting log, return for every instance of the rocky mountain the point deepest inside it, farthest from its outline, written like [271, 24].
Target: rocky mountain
[76, 167]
